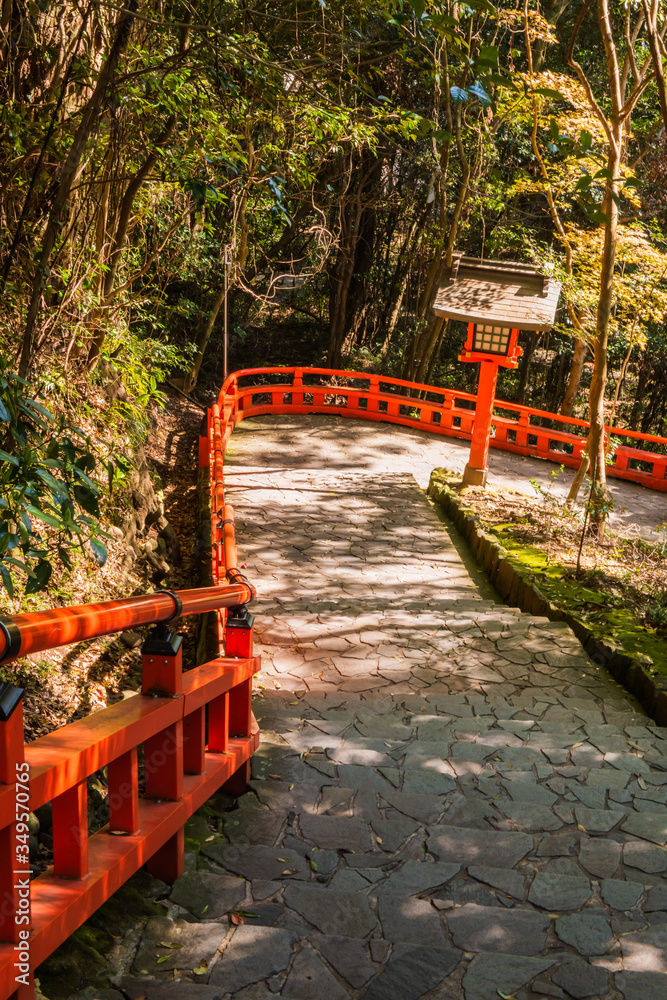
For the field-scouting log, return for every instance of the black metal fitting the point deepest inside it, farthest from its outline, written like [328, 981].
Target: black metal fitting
[12, 635]
[178, 605]
[161, 641]
[234, 575]
[10, 698]
[239, 617]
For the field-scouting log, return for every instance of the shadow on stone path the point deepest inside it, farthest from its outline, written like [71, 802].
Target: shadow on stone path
[345, 443]
[449, 800]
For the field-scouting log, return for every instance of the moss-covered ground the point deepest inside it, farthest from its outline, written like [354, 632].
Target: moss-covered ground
[620, 588]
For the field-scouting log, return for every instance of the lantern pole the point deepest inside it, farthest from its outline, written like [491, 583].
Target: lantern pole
[476, 471]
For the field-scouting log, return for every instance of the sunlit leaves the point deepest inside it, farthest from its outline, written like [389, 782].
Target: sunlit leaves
[48, 500]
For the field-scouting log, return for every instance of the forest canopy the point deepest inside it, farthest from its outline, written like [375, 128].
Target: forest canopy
[311, 167]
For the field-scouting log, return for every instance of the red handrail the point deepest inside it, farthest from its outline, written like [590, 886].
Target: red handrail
[384, 398]
[41, 630]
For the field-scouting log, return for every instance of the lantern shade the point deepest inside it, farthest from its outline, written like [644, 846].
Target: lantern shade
[499, 294]
[491, 339]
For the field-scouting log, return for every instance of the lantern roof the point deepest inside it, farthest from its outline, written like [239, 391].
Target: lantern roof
[499, 292]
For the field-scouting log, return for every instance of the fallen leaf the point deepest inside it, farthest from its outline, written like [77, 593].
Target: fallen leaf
[204, 910]
[582, 828]
[285, 861]
[379, 840]
[293, 702]
[276, 777]
[635, 745]
[574, 746]
[388, 745]
[291, 787]
[163, 959]
[641, 782]
[245, 913]
[209, 839]
[201, 969]
[291, 871]
[236, 918]
[312, 866]
[505, 996]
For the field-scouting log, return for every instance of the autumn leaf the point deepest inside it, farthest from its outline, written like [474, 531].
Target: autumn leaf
[236, 918]
[201, 969]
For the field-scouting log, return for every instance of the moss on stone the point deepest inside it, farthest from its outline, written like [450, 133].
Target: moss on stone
[81, 961]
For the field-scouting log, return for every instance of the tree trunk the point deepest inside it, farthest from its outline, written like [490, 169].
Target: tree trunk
[190, 380]
[614, 124]
[89, 117]
[576, 370]
[525, 367]
[124, 217]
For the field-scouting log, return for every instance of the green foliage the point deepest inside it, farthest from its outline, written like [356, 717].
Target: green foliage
[49, 504]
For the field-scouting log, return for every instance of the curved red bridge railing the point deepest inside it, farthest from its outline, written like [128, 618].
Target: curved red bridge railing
[523, 430]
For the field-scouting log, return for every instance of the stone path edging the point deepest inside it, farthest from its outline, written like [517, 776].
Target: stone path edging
[517, 587]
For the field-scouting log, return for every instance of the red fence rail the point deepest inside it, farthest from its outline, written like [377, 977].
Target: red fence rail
[196, 730]
[520, 429]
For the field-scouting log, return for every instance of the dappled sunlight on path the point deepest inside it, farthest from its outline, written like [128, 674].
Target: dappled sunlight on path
[343, 443]
[450, 801]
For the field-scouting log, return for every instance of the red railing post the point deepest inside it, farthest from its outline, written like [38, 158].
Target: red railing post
[162, 675]
[14, 855]
[194, 742]
[70, 832]
[523, 429]
[446, 415]
[373, 404]
[239, 642]
[297, 387]
[123, 777]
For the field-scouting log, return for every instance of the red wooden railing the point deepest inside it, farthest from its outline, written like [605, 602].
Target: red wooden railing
[196, 729]
[520, 429]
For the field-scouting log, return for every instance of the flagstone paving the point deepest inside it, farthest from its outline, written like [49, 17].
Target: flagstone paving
[450, 800]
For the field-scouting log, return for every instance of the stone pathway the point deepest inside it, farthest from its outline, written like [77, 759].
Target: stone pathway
[450, 801]
[343, 443]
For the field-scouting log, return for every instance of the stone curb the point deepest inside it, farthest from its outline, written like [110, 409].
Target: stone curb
[516, 586]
